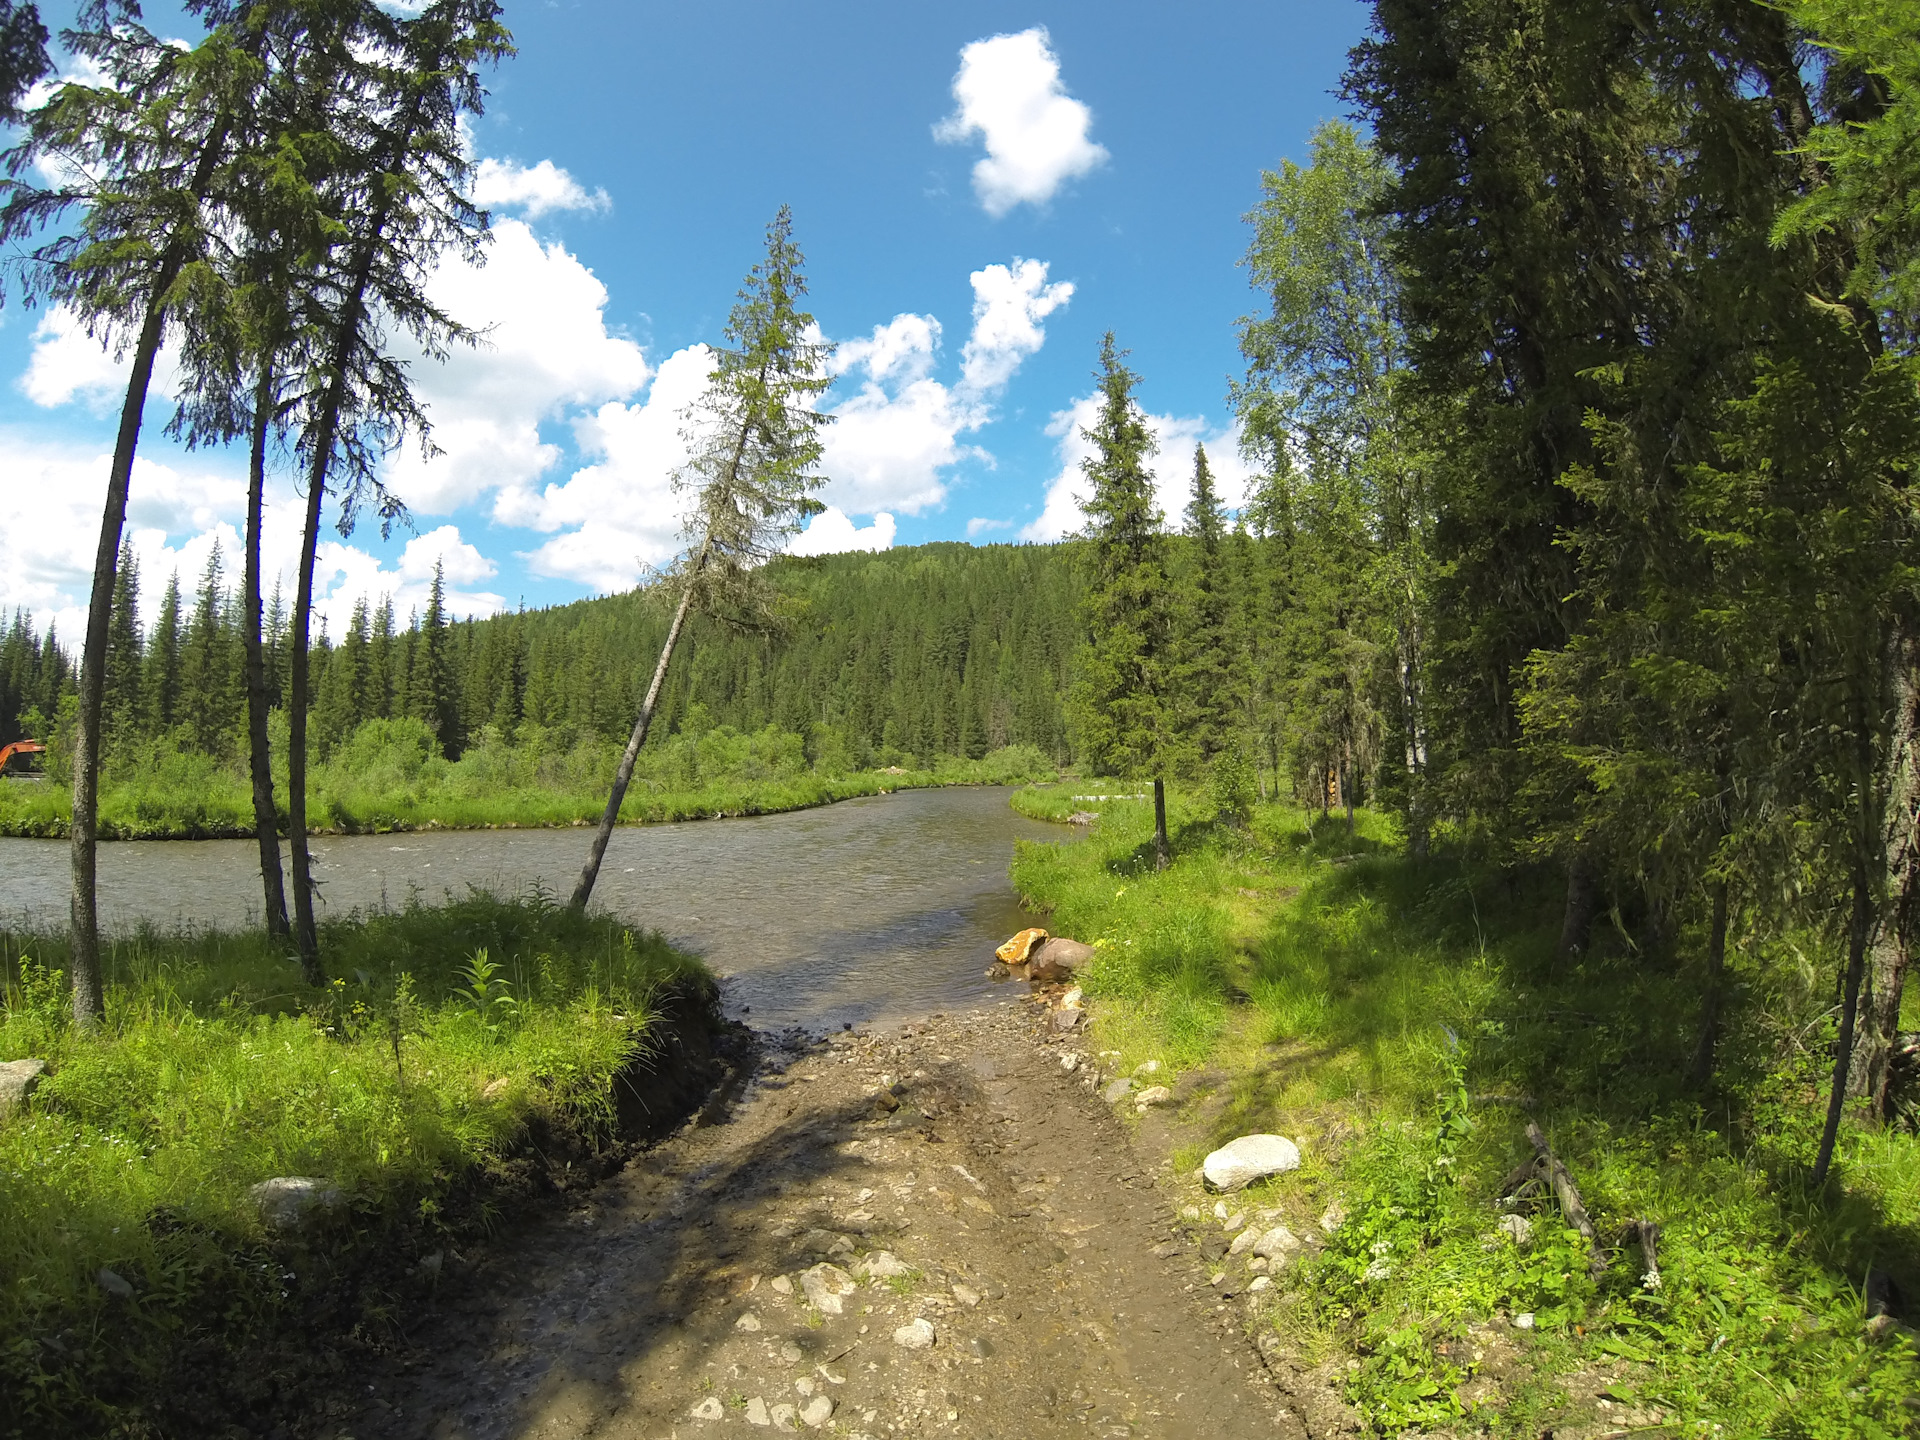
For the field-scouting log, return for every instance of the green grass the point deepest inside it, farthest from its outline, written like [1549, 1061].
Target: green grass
[389, 776]
[1356, 999]
[454, 1033]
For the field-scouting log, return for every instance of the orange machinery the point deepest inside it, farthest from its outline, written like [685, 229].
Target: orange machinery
[19, 747]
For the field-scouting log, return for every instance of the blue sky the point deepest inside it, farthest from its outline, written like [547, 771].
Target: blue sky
[981, 191]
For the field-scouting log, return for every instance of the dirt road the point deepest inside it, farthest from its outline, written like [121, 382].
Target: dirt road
[937, 1232]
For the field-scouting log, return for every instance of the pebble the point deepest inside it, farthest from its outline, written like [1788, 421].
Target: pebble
[1276, 1244]
[782, 1283]
[817, 1411]
[1244, 1241]
[113, 1283]
[1333, 1217]
[1234, 1221]
[883, 1265]
[1147, 1067]
[785, 1417]
[1153, 1095]
[966, 1295]
[1523, 1321]
[1250, 1158]
[749, 1322]
[915, 1336]
[709, 1409]
[1070, 1062]
[757, 1412]
[1261, 1282]
[1117, 1090]
[1517, 1228]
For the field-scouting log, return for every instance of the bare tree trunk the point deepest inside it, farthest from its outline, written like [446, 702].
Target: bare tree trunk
[1583, 898]
[1702, 1069]
[266, 822]
[1162, 851]
[623, 777]
[89, 992]
[1416, 736]
[1893, 927]
[1346, 785]
[306, 932]
[1849, 1012]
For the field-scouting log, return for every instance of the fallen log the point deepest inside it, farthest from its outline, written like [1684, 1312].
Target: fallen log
[1568, 1194]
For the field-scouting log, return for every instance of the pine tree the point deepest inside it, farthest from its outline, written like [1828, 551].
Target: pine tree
[1123, 679]
[430, 694]
[208, 700]
[160, 675]
[342, 703]
[1204, 679]
[121, 700]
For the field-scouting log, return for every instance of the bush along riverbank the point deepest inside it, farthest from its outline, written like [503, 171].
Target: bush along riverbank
[390, 776]
[1404, 1021]
[240, 1182]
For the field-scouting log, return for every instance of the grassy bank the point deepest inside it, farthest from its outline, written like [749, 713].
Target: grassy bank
[136, 1266]
[1404, 1020]
[389, 775]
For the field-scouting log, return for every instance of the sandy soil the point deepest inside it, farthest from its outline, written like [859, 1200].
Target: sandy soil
[765, 1269]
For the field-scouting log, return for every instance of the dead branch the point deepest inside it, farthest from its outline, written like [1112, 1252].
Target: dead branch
[1571, 1204]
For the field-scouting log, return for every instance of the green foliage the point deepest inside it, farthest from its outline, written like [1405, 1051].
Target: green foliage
[217, 1068]
[1232, 785]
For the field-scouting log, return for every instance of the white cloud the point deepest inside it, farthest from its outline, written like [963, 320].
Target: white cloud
[546, 349]
[831, 533]
[1176, 437]
[981, 525]
[68, 364]
[619, 514]
[535, 191]
[893, 438]
[343, 574]
[1008, 92]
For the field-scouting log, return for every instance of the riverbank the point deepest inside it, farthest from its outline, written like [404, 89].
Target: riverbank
[1403, 1022]
[185, 796]
[471, 1057]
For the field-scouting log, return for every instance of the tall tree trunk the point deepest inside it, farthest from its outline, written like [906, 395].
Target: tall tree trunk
[1416, 736]
[1899, 909]
[306, 932]
[590, 872]
[1162, 851]
[266, 821]
[1583, 901]
[1346, 785]
[89, 992]
[1702, 1068]
[1857, 930]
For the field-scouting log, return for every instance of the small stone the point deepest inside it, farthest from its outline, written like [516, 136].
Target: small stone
[1276, 1245]
[1070, 1062]
[883, 1265]
[791, 1353]
[1259, 1264]
[113, 1283]
[825, 1286]
[1517, 1228]
[495, 1089]
[1189, 1212]
[1250, 1158]
[1058, 959]
[1220, 1211]
[1147, 1067]
[786, 1417]
[1244, 1241]
[757, 1412]
[1065, 1020]
[966, 1295]
[1117, 1090]
[823, 1242]
[916, 1336]
[1260, 1282]
[1072, 999]
[817, 1411]
[783, 1284]
[708, 1409]
[288, 1202]
[749, 1322]
[1333, 1217]
[1153, 1095]
[804, 1385]
[1234, 1221]
[981, 1347]
[1523, 1321]
[1881, 1326]
[18, 1080]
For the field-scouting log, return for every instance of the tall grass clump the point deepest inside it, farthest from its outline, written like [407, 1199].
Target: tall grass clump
[136, 1262]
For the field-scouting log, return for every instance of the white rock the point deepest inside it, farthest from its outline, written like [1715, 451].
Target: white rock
[917, 1336]
[749, 1322]
[1333, 1217]
[1219, 1206]
[757, 1412]
[1147, 1067]
[782, 1284]
[1524, 1320]
[18, 1080]
[1517, 1228]
[1069, 1062]
[966, 1295]
[1234, 1221]
[113, 1283]
[288, 1201]
[1244, 1241]
[817, 1411]
[1153, 1095]
[882, 1265]
[1260, 1282]
[1117, 1090]
[1250, 1158]
[1071, 1000]
[1276, 1245]
[708, 1409]
[1190, 1212]
[824, 1286]
[786, 1417]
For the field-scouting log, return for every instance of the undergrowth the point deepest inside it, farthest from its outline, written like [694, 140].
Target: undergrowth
[1404, 1019]
[135, 1260]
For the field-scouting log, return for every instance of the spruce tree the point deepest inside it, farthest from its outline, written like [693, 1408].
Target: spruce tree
[121, 701]
[1123, 672]
[160, 674]
[207, 696]
[1205, 681]
[430, 691]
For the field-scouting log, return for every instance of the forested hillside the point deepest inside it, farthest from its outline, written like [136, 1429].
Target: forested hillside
[882, 659]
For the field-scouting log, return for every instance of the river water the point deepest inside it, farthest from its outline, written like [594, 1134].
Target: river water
[872, 909]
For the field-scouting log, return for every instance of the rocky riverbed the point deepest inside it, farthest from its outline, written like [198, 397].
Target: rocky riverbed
[940, 1229]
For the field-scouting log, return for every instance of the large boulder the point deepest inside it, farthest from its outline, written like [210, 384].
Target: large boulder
[1058, 958]
[18, 1080]
[1250, 1158]
[288, 1203]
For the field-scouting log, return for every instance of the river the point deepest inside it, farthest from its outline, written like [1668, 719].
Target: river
[872, 909]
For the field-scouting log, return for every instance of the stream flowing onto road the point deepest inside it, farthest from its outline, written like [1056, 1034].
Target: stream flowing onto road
[882, 907]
